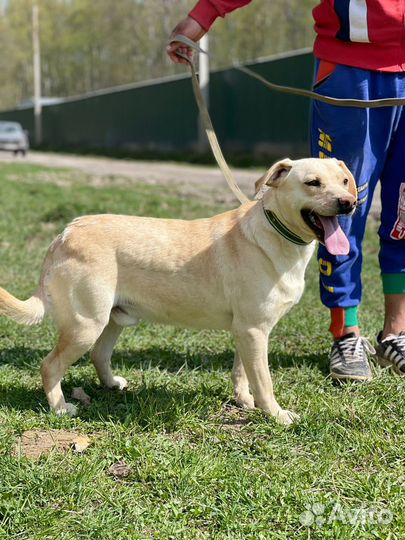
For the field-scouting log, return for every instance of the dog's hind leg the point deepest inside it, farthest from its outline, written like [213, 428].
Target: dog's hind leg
[101, 356]
[251, 344]
[72, 344]
[241, 384]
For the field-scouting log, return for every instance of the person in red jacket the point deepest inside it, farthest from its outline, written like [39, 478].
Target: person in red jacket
[359, 53]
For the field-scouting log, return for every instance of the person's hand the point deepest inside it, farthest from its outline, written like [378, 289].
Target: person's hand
[189, 28]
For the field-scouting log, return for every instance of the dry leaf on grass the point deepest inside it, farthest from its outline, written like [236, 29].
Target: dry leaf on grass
[79, 394]
[36, 443]
[81, 443]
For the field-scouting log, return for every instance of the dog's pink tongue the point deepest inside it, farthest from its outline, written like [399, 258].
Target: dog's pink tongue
[335, 239]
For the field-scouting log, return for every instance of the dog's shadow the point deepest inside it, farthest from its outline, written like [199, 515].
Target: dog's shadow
[155, 398]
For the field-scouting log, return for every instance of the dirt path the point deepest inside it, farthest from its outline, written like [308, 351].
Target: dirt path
[193, 180]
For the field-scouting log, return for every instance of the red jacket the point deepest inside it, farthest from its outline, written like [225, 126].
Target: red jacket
[368, 34]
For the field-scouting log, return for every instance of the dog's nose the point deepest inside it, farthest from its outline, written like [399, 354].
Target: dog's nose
[346, 205]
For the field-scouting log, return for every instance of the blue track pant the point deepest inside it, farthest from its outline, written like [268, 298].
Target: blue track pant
[372, 144]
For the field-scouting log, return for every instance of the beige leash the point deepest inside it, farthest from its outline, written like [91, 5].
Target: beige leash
[339, 102]
[212, 138]
[209, 129]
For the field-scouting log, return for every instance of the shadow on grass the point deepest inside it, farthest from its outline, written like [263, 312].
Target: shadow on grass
[19, 397]
[156, 398]
[151, 405]
[167, 359]
[170, 360]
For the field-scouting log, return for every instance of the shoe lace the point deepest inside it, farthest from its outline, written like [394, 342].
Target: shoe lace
[399, 341]
[356, 347]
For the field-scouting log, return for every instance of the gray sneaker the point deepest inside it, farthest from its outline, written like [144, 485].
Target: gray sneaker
[348, 359]
[390, 352]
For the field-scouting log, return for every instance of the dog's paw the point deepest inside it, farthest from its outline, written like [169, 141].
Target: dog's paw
[119, 383]
[286, 418]
[245, 401]
[69, 409]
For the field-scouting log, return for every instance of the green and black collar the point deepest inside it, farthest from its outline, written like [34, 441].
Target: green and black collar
[283, 229]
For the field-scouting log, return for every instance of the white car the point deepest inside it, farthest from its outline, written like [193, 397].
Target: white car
[13, 138]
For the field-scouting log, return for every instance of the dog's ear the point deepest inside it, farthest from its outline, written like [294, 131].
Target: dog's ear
[352, 181]
[277, 172]
[273, 177]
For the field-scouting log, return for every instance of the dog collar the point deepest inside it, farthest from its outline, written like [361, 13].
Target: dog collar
[282, 229]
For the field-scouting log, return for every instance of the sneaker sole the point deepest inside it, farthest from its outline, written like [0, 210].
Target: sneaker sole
[344, 378]
[384, 363]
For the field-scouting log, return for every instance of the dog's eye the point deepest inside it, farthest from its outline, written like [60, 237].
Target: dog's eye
[345, 181]
[314, 183]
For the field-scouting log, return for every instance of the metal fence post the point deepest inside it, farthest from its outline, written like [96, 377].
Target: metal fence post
[37, 75]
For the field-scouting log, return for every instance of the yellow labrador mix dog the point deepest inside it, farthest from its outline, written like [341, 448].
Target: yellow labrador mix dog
[240, 271]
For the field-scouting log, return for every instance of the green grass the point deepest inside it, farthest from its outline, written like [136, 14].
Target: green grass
[200, 468]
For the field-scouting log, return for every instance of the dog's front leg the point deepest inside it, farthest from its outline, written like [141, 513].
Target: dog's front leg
[241, 384]
[251, 345]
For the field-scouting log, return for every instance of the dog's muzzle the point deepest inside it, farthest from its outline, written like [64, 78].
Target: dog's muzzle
[346, 205]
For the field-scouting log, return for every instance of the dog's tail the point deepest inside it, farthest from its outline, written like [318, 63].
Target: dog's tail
[31, 311]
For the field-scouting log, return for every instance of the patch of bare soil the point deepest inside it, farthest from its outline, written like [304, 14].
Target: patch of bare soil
[233, 418]
[191, 180]
[205, 182]
[37, 443]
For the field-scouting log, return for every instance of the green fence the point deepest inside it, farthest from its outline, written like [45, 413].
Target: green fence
[161, 115]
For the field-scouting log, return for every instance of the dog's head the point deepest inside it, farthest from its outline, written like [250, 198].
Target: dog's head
[308, 195]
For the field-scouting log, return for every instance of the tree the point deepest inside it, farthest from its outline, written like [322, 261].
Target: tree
[87, 45]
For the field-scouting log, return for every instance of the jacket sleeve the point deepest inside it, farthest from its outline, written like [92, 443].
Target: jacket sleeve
[206, 11]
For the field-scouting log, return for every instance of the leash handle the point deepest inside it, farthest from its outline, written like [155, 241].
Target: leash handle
[206, 120]
[189, 43]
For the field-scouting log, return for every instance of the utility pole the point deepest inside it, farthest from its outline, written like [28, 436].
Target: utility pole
[204, 79]
[37, 74]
